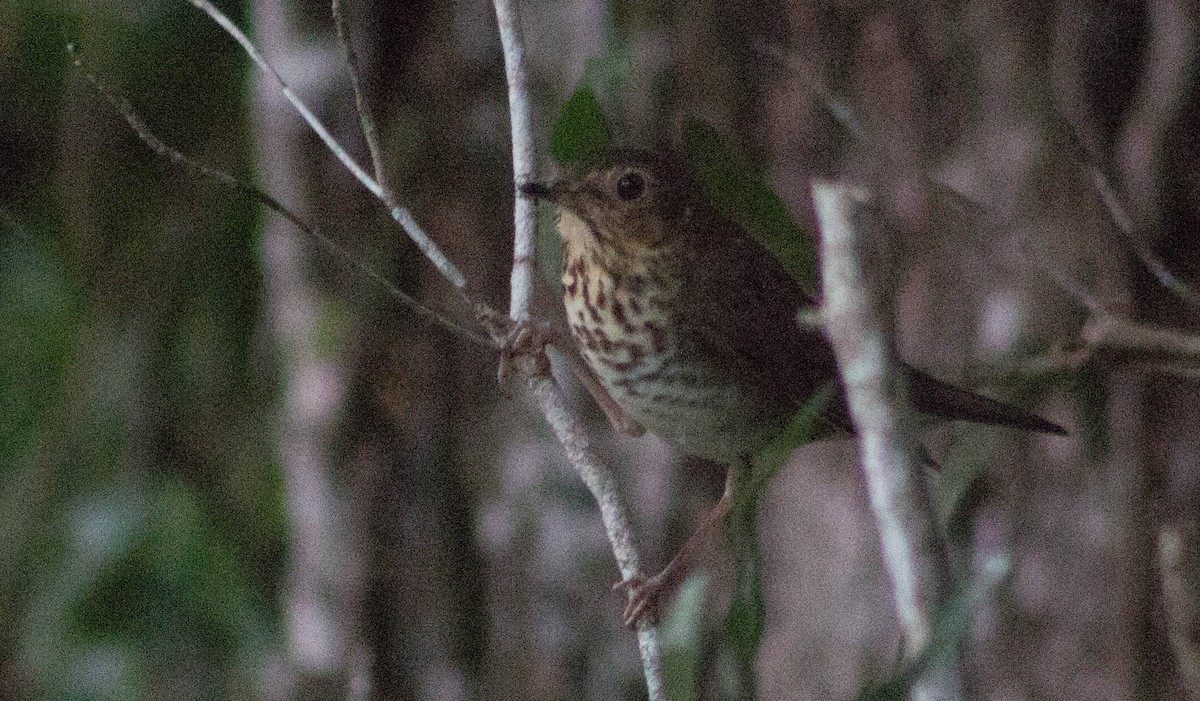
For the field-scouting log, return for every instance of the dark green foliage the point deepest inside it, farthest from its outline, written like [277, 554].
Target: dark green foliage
[741, 194]
[682, 636]
[580, 133]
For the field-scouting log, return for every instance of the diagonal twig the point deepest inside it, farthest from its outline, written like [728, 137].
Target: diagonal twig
[176, 157]
[401, 214]
[1090, 161]
[365, 116]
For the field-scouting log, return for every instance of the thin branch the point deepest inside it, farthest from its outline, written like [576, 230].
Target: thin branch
[913, 554]
[370, 132]
[402, 216]
[1090, 162]
[521, 115]
[1119, 339]
[600, 482]
[178, 158]
[595, 474]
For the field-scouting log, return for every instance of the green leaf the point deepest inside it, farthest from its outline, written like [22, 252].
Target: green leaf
[581, 133]
[739, 193]
[800, 430]
[683, 639]
[951, 626]
[747, 617]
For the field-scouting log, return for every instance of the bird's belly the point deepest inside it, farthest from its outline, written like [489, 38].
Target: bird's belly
[712, 421]
[690, 406]
[629, 344]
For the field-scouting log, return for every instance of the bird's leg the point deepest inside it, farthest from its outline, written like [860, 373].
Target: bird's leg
[522, 340]
[646, 597]
[621, 422]
[532, 337]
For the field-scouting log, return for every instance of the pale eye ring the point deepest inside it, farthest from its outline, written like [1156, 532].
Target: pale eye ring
[630, 185]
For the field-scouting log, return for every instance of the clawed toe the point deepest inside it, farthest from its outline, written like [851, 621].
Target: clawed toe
[525, 338]
[644, 598]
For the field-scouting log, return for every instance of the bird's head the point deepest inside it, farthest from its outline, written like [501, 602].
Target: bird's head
[633, 201]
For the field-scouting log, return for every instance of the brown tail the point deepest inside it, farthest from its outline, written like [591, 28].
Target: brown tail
[937, 398]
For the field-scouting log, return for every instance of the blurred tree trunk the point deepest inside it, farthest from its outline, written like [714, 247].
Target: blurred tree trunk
[320, 580]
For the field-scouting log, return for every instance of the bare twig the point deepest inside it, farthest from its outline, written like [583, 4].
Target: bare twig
[176, 157]
[570, 432]
[521, 115]
[913, 553]
[1121, 339]
[1090, 162]
[401, 214]
[1176, 563]
[365, 116]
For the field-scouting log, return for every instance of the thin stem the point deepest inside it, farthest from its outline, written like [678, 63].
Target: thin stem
[913, 554]
[524, 208]
[1091, 164]
[402, 216]
[177, 157]
[600, 481]
[370, 132]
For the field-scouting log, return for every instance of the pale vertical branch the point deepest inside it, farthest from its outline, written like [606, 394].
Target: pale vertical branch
[312, 393]
[570, 432]
[521, 115]
[1177, 562]
[913, 554]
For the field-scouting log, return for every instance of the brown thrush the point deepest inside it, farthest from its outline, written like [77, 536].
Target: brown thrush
[689, 323]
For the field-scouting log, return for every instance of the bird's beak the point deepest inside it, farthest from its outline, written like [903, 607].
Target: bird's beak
[540, 191]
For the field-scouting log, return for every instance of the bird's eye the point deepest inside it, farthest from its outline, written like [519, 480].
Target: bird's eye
[630, 186]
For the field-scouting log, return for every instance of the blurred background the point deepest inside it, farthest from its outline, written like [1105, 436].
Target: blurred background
[231, 466]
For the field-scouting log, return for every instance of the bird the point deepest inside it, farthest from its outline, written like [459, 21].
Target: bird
[690, 325]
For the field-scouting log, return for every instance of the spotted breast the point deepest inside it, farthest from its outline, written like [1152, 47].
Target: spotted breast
[620, 308]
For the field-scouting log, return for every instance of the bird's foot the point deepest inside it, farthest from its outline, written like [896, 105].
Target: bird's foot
[647, 597]
[525, 342]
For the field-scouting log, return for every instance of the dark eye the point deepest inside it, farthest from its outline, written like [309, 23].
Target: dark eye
[630, 186]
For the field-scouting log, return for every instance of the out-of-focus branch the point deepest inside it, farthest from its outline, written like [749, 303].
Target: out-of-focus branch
[313, 386]
[1116, 342]
[1168, 75]
[1091, 162]
[1088, 159]
[913, 553]
[595, 474]
[1117, 339]
[1177, 565]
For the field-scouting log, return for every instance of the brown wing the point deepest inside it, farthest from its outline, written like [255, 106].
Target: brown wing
[739, 307]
